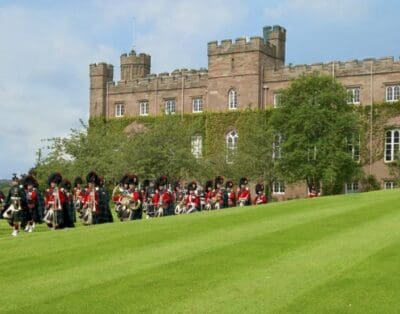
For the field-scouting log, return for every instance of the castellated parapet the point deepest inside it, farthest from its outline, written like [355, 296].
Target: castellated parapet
[338, 69]
[134, 66]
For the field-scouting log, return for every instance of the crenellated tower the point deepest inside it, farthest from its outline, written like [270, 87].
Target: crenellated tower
[134, 66]
[100, 75]
[276, 36]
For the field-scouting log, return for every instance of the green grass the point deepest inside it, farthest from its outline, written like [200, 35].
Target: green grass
[326, 255]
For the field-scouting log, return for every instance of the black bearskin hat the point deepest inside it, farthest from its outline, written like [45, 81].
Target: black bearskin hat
[177, 185]
[192, 186]
[55, 177]
[219, 180]
[92, 178]
[229, 184]
[132, 179]
[243, 181]
[163, 180]
[259, 188]
[146, 183]
[78, 180]
[15, 177]
[124, 179]
[209, 184]
[66, 184]
[29, 180]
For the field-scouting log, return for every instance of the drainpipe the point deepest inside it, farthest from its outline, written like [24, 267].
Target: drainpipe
[371, 119]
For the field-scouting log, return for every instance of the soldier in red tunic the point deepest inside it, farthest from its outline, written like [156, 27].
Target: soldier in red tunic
[218, 199]
[135, 197]
[260, 198]
[32, 198]
[91, 209]
[244, 197]
[209, 195]
[54, 202]
[192, 199]
[229, 195]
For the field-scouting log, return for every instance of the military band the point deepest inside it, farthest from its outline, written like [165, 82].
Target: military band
[25, 207]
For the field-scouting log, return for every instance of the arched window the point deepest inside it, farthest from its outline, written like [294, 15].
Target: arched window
[232, 99]
[231, 145]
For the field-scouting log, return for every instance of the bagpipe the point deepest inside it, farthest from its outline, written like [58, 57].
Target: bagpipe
[14, 207]
[53, 212]
[89, 208]
[180, 207]
[125, 206]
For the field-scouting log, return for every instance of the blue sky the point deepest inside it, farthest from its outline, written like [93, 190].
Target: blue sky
[47, 46]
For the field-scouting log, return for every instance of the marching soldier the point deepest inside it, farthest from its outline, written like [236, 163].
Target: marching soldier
[54, 202]
[15, 206]
[229, 195]
[192, 199]
[260, 198]
[91, 208]
[69, 210]
[78, 196]
[165, 197]
[178, 198]
[244, 197]
[219, 200]
[134, 195]
[104, 203]
[33, 202]
[209, 195]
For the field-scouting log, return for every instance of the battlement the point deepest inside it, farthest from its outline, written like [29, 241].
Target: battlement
[241, 44]
[340, 68]
[101, 69]
[133, 58]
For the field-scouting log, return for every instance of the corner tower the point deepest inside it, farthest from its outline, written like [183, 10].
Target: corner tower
[100, 75]
[134, 66]
[276, 36]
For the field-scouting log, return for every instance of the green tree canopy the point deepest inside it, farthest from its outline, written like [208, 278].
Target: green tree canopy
[315, 124]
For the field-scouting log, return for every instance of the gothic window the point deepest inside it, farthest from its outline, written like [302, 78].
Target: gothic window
[277, 147]
[197, 104]
[144, 108]
[170, 106]
[353, 147]
[353, 96]
[119, 110]
[197, 146]
[233, 101]
[231, 145]
[392, 145]
[392, 93]
[278, 187]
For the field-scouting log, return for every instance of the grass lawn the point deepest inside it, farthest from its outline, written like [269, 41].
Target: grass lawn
[327, 255]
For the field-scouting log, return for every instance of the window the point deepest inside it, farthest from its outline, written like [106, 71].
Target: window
[277, 100]
[392, 142]
[353, 147]
[278, 187]
[197, 146]
[144, 108]
[231, 145]
[393, 93]
[351, 187]
[232, 99]
[197, 104]
[390, 185]
[119, 110]
[353, 96]
[170, 106]
[277, 147]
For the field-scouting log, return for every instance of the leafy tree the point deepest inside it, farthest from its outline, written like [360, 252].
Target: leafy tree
[315, 122]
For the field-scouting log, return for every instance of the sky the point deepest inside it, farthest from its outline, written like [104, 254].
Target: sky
[46, 47]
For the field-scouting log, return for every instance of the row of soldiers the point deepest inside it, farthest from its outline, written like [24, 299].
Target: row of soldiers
[25, 206]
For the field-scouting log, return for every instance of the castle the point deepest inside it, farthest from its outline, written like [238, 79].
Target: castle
[241, 74]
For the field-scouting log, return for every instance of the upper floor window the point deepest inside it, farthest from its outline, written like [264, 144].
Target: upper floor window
[197, 146]
[119, 110]
[353, 147]
[353, 96]
[277, 147]
[231, 145]
[392, 93]
[144, 108]
[390, 185]
[278, 187]
[170, 106]
[351, 187]
[277, 100]
[233, 101]
[392, 145]
[197, 104]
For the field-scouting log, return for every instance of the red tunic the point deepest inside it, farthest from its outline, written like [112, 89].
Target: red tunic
[244, 194]
[156, 199]
[88, 199]
[260, 199]
[31, 197]
[51, 196]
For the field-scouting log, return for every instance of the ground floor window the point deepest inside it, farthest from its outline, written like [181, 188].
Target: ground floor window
[351, 187]
[390, 185]
[278, 187]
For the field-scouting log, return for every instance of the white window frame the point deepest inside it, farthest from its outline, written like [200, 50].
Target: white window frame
[170, 106]
[278, 187]
[392, 93]
[351, 187]
[277, 100]
[119, 110]
[353, 147]
[277, 147]
[389, 185]
[197, 146]
[144, 108]
[392, 145]
[197, 104]
[353, 95]
[232, 138]
[232, 99]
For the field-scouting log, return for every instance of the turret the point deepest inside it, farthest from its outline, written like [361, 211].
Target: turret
[276, 36]
[100, 75]
[134, 66]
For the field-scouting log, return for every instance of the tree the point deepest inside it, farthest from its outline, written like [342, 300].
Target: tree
[315, 122]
